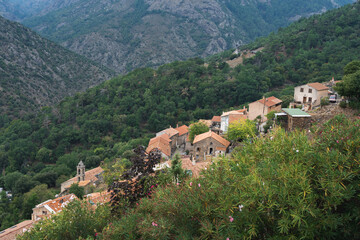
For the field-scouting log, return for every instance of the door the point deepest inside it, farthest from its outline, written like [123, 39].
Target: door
[304, 100]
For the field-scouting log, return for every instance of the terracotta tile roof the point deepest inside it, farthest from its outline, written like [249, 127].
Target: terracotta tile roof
[234, 112]
[242, 110]
[270, 101]
[213, 135]
[164, 138]
[83, 183]
[234, 118]
[196, 169]
[216, 119]
[12, 232]
[56, 205]
[169, 131]
[206, 122]
[98, 197]
[162, 143]
[182, 130]
[318, 86]
[90, 175]
[221, 149]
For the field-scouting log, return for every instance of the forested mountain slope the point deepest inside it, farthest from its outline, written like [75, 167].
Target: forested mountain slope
[35, 72]
[106, 121]
[124, 35]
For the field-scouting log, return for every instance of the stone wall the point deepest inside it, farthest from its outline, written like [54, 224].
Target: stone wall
[204, 148]
[298, 122]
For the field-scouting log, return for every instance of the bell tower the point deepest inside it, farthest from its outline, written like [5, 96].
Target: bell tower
[80, 171]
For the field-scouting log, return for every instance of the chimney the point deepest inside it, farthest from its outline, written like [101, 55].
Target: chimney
[177, 125]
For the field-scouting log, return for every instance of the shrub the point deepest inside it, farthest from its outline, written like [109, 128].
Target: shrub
[324, 101]
[277, 187]
[77, 221]
[343, 104]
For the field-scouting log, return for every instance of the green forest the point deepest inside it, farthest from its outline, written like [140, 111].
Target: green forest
[38, 152]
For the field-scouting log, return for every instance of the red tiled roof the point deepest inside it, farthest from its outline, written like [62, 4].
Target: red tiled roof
[83, 183]
[164, 137]
[270, 101]
[59, 203]
[90, 175]
[99, 197]
[234, 112]
[186, 164]
[221, 149]
[170, 131]
[182, 130]
[12, 232]
[162, 143]
[242, 110]
[216, 119]
[206, 122]
[213, 135]
[318, 86]
[234, 118]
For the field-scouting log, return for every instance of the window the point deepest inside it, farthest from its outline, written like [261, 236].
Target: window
[310, 90]
[310, 99]
[211, 151]
[301, 89]
[44, 212]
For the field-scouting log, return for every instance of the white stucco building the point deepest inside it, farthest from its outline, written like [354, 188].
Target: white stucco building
[310, 93]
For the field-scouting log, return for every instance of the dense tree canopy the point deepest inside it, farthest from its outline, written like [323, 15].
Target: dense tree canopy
[350, 84]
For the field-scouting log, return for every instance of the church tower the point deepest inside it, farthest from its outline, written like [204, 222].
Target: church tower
[80, 171]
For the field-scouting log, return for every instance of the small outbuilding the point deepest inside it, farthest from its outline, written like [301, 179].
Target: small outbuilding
[291, 118]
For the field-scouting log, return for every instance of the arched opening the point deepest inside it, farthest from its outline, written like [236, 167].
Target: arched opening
[211, 151]
[198, 149]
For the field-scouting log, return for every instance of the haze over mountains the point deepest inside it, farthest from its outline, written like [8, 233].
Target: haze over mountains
[35, 72]
[127, 34]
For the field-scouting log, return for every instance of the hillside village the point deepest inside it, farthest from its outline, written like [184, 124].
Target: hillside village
[197, 155]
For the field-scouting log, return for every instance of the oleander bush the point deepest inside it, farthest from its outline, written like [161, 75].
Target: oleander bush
[298, 185]
[295, 185]
[77, 221]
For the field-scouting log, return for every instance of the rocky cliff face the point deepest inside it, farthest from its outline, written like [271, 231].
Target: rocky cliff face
[127, 34]
[35, 72]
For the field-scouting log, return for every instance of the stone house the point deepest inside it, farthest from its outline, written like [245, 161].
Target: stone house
[263, 106]
[173, 135]
[12, 232]
[163, 143]
[49, 207]
[209, 144]
[310, 93]
[291, 118]
[183, 134]
[232, 116]
[216, 124]
[86, 179]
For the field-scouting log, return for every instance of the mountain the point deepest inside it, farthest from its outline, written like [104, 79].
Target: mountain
[18, 10]
[35, 72]
[127, 34]
[106, 121]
